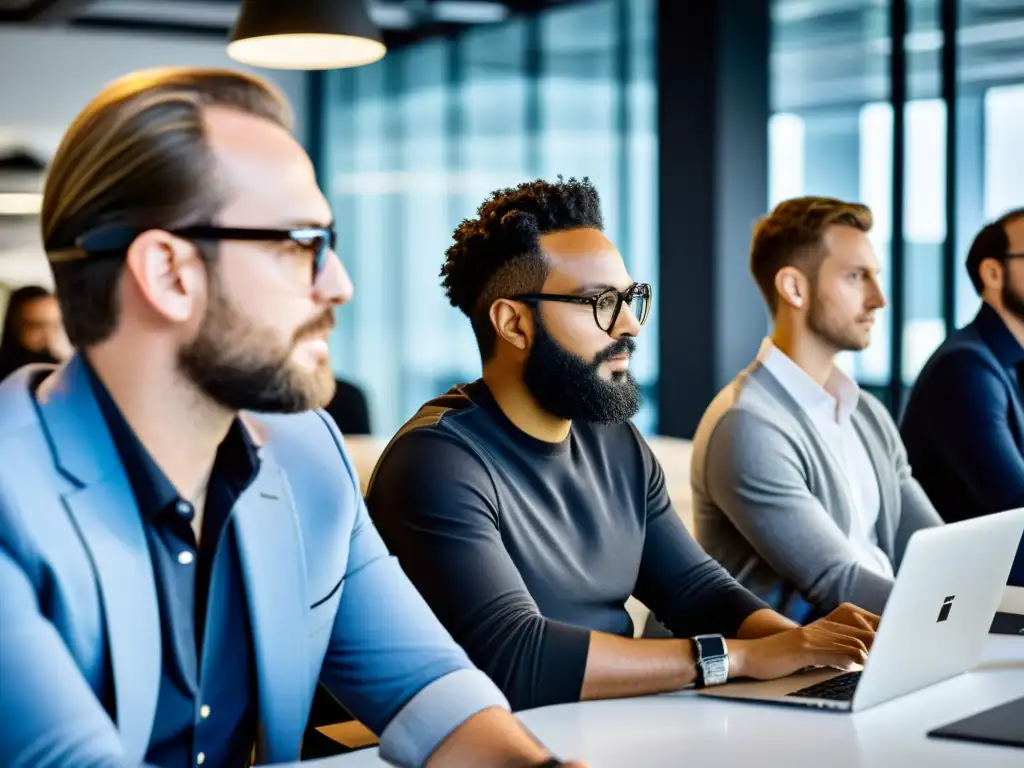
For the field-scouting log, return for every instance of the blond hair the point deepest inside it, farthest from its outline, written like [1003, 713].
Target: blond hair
[792, 235]
[137, 156]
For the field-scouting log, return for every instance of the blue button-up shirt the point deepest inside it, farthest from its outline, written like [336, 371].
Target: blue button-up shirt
[206, 711]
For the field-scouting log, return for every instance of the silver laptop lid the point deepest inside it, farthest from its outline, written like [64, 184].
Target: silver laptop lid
[950, 583]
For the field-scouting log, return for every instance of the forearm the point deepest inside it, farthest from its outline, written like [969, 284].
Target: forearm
[618, 667]
[761, 624]
[826, 570]
[764, 623]
[492, 737]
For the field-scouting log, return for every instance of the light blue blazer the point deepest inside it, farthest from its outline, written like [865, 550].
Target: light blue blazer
[78, 602]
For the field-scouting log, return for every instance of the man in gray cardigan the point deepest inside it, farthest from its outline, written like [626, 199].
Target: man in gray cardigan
[800, 481]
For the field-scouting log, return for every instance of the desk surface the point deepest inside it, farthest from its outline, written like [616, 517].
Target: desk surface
[685, 729]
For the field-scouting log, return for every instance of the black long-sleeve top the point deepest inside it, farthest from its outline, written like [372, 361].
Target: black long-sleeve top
[522, 547]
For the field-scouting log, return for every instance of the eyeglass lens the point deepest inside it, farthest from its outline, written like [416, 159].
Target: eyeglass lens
[608, 306]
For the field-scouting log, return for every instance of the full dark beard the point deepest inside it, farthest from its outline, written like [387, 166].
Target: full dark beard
[567, 386]
[247, 370]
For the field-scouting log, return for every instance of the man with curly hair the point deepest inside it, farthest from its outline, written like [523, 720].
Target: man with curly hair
[526, 507]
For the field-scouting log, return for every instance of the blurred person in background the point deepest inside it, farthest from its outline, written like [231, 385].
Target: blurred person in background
[964, 420]
[349, 409]
[32, 330]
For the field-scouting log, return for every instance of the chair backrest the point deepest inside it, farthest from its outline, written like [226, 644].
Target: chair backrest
[674, 455]
[364, 450]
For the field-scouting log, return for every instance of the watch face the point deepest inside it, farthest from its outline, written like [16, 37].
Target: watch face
[711, 645]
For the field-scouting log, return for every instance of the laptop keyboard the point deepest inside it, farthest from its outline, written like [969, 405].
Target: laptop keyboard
[839, 688]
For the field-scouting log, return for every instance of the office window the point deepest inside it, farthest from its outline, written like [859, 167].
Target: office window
[415, 143]
[831, 133]
[990, 164]
[994, 184]
[636, 231]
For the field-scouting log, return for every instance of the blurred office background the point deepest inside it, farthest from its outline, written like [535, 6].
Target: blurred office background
[691, 118]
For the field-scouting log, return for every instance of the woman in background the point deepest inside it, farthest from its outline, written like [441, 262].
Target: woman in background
[33, 331]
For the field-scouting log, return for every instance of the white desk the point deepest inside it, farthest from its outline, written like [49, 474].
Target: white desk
[688, 730]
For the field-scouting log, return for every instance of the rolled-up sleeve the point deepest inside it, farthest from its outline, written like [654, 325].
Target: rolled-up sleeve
[392, 663]
[422, 724]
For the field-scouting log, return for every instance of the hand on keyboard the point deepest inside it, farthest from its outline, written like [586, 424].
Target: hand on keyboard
[841, 640]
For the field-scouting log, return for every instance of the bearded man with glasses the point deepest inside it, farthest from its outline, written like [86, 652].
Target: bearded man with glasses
[525, 506]
[184, 551]
[964, 421]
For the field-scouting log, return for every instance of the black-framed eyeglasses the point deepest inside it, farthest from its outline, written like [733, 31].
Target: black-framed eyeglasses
[115, 240]
[606, 305]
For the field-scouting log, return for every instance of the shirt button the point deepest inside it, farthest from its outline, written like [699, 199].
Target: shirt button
[204, 712]
[184, 508]
[186, 557]
[200, 758]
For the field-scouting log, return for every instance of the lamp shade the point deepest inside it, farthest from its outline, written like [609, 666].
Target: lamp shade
[305, 34]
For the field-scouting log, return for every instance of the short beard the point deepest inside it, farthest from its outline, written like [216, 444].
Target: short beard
[247, 369]
[1013, 302]
[836, 336]
[567, 386]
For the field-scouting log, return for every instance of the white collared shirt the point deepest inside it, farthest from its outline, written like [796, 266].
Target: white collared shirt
[830, 410]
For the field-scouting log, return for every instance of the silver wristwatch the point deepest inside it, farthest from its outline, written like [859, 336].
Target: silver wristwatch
[712, 657]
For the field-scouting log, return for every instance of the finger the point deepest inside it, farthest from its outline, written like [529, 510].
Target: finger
[863, 634]
[847, 636]
[873, 619]
[849, 658]
[864, 617]
[842, 653]
[832, 642]
[854, 615]
[842, 612]
[866, 636]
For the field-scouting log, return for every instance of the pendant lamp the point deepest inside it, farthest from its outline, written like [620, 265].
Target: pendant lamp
[305, 34]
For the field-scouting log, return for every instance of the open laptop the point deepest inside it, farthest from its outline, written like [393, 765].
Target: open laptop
[934, 626]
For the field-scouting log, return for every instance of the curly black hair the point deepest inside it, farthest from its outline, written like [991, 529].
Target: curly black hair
[498, 253]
